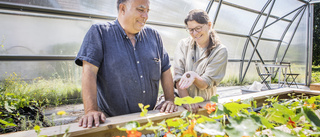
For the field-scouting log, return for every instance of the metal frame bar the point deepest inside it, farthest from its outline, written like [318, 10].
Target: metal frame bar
[88, 17]
[285, 52]
[280, 41]
[250, 10]
[30, 8]
[37, 58]
[247, 41]
[216, 14]
[209, 6]
[23, 7]
[284, 34]
[282, 37]
[257, 43]
[310, 44]
[281, 18]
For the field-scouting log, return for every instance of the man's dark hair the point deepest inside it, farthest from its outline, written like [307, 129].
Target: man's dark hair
[119, 2]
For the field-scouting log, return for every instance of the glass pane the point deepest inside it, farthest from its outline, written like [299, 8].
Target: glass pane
[31, 35]
[283, 7]
[297, 52]
[29, 70]
[229, 15]
[267, 49]
[273, 31]
[251, 4]
[105, 7]
[234, 45]
[171, 37]
[174, 11]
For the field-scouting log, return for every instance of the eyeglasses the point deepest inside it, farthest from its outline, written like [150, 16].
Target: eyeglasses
[197, 29]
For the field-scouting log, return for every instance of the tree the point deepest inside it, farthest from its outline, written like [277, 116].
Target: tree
[316, 35]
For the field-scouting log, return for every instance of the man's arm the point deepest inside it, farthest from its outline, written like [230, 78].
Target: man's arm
[89, 96]
[167, 85]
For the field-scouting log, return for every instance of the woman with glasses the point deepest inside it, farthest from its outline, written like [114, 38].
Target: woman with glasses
[200, 60]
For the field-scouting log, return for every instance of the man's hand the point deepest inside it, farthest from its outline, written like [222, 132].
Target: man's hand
[167, 107]
[92, 116]
[194, 107]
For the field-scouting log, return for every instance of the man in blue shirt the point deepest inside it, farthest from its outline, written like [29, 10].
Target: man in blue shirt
[123, 61]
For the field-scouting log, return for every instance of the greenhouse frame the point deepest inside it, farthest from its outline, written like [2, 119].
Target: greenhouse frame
[40, 38]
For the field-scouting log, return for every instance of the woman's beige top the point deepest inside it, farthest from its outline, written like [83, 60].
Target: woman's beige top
[212, 68]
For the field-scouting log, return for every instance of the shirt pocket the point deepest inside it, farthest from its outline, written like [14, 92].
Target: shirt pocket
[155, 68]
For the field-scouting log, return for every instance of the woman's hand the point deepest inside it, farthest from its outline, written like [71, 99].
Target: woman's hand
[187, 79]
[194, 107]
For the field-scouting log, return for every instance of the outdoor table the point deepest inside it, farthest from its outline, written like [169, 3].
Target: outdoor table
[279, 66]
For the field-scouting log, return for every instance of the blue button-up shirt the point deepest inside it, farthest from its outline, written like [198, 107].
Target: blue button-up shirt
[127, 74]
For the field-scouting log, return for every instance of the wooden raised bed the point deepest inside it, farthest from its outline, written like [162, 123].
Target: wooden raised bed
[109, 129]
[315, 86]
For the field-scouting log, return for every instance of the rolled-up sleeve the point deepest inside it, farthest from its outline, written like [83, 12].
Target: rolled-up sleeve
[179, 61]
[216, 68]
[91, 48]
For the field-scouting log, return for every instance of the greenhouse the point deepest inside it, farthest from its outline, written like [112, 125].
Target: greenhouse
[40, 39]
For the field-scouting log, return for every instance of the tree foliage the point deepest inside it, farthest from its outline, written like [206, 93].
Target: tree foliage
[316, 36]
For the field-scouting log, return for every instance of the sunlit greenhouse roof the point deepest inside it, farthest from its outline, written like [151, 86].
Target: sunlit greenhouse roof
[42, 37]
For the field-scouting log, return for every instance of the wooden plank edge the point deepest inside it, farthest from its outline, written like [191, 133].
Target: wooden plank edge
[154, 115]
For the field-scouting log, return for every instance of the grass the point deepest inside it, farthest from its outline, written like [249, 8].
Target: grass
[315, 74]
[54, 92]
[22, 102]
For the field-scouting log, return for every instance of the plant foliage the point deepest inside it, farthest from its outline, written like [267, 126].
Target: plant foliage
[237, 119]
[22, 103]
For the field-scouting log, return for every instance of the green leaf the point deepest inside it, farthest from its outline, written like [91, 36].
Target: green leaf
[187, 100]
[220, 111]
[205, 119]
[132, 125]
[144, 109]
[255, 104]
[297, 117]
[234, 108]
[144, 126]
[162, 123]
[7, 123]
[211, 128]
[185, 114]
[8, 107]
[311, 116]
[265, 122]
[248, 101]
[280, 114]
[175, 122]
[241, 126]
[214, 98]
[279, 133]
[295, 104]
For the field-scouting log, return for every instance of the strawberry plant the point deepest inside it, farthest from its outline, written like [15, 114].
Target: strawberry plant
[298, 116]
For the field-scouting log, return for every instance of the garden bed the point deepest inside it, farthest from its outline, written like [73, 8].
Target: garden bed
[109, 128]
[315, 86]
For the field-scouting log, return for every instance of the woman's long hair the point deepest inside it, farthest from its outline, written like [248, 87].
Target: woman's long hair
[201, 17]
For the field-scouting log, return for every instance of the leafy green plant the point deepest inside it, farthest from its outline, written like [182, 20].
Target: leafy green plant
[315, 74]
[22, 103]
[238, 118]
